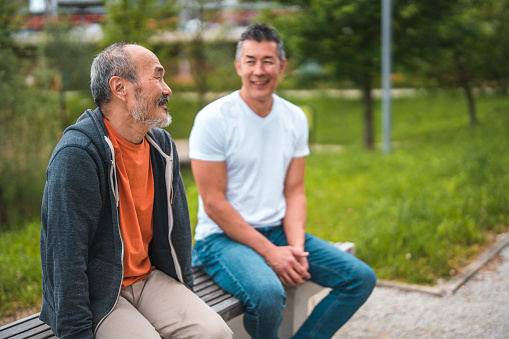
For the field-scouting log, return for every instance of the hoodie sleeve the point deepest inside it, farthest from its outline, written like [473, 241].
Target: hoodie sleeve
[71, 211]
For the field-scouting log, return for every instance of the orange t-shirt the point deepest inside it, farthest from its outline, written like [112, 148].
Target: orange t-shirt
[136, 200]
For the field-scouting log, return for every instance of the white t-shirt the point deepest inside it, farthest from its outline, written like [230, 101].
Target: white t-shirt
[257, 152]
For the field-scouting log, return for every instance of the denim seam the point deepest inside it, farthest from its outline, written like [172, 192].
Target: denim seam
[241, 288]
[321, 320]
[343, 277]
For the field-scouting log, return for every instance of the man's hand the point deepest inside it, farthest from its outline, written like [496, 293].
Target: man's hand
[290, 264]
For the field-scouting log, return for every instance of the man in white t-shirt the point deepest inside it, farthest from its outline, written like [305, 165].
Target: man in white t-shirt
[248, 154]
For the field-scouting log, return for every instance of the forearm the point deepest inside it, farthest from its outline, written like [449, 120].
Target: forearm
[294, 222]
[287, 262]
[234, 225]
[211, 179]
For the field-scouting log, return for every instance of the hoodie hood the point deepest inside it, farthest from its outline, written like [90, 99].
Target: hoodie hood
[91, 124]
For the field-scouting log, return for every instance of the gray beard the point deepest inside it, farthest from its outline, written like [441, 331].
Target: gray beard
[140, 112]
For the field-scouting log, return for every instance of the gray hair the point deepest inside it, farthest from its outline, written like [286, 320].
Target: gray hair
[112, 61]
[261, 32]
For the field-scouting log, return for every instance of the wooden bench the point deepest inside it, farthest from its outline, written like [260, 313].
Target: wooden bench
[226, 305]
[300, 302]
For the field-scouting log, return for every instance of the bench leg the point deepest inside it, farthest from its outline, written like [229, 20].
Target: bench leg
[300, 302]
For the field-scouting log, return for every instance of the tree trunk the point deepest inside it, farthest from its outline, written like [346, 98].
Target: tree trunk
[471, 103]
[198, 61]
[3, 213]
[368, 116]
[465, 85]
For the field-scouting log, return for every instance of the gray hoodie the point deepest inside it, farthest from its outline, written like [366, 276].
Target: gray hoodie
[81, 244]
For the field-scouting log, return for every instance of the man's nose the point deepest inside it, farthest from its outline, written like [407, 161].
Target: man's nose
[167, 89]
[259, 68]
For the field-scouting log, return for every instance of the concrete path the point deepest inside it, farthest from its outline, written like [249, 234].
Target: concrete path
[478, 309]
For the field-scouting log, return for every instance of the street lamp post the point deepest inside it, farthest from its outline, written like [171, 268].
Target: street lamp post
[386, 75]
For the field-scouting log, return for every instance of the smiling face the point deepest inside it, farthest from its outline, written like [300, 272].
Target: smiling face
[259, 68]
[148, 111]
[151, 94]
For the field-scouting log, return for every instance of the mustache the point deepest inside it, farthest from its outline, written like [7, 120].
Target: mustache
[163, 100]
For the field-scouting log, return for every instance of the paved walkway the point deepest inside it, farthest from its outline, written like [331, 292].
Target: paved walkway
[478, 309]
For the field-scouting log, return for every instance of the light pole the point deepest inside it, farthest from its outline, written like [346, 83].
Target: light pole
[386, 75]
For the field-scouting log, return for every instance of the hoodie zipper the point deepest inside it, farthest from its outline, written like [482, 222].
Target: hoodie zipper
[114, 188]
[169, 192]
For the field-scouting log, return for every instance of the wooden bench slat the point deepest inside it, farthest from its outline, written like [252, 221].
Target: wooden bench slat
[198, 273]
[229, 308]
[204, 285]
[220, 298]
[42, 331]
[210, 289]
[205, 288]
[23, 326]
[201, 279]
[19, 322]
[213, 294]
[45, 335]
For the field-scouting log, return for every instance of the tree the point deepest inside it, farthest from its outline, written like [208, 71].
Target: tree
[9, 83]
[68, 55]
[446, 41]
[138, 20]
[343, 36]
[26, 125]
[198, 16]
[495, 45]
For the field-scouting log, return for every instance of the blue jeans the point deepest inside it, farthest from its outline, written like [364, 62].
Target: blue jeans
[244, 273]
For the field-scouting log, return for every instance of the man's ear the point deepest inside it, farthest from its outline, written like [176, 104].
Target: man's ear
[284, 62]
[117, 86]
[237, 67]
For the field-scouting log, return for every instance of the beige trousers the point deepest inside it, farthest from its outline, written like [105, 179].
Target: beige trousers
[161, 307]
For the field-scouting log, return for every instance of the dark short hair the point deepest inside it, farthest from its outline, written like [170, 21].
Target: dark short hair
[261, 32]
[112, 61]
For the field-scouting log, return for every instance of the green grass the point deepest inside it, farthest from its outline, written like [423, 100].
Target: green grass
[422, 211]
[416, 214]
[20, 269]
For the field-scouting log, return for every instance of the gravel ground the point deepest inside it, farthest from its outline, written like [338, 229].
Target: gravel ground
[478, 309]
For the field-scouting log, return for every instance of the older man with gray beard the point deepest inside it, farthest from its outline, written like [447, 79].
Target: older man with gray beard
[116, 237]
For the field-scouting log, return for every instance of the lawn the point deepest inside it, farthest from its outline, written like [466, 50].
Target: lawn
[426, 209]
[416, 214]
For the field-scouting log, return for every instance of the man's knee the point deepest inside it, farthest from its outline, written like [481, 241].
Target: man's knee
[369, 277]
[200, 327]
[213, 330]
[268, 301]
[364, 279]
